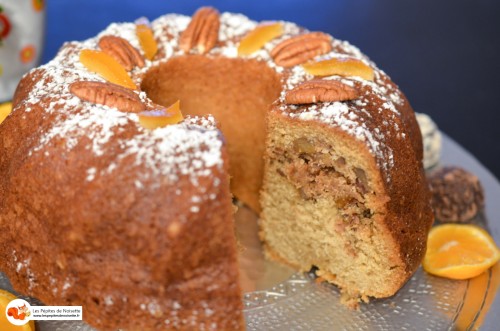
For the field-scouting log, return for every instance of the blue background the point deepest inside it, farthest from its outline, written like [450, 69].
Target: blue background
[443, 54]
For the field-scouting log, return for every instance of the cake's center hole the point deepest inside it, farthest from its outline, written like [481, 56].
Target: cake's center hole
[238, 93]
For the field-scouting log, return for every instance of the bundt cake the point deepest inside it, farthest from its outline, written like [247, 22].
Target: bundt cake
[112, 200]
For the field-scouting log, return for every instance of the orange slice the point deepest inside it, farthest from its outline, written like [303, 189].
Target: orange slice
[5, 109]
[5, 325]
[258, 37]
[481, 293]
[153, 119]
[107, 67]
[341, 67]
[147, 40]
[459, 251]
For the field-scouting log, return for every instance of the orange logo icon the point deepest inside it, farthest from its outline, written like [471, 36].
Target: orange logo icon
[18, 313]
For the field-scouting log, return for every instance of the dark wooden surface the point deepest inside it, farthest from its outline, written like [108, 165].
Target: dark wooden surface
[443, 54]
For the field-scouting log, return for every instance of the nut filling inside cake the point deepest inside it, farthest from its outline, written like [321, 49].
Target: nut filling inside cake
[316, 170]
[321, 187]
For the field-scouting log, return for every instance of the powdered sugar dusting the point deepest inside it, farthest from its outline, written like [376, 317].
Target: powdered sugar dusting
[97, 123]
[339, 114]
[126, 31]
[167, 30]
[178, 146]
[188, 149]
[191, 148]
[91, 174]
[234, 25]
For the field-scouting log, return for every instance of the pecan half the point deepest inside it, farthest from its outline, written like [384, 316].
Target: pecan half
[108, 94]
[301, 48]
[202, 32]
[122, 51]
[319, 90]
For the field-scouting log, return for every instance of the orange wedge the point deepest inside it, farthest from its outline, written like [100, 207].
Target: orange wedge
[258, 37]
[459, 251]
[481, 293]
[341, 67]
[107, 67]
[5, 109]
[5, 325]
[147, 40]
[153, 119]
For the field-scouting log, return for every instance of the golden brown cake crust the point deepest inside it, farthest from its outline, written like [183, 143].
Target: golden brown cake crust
[98, 211]
[64, 235]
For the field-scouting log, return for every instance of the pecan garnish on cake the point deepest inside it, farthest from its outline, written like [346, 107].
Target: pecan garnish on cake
[319, 90]
[301, 48]
[202, 32]
[122, 51]
[108, 94]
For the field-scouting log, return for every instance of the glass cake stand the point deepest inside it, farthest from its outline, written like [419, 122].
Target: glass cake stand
[277, 298]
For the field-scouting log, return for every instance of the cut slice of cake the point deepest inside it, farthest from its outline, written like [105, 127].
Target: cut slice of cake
[344, 191]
